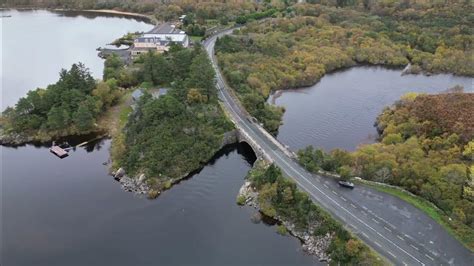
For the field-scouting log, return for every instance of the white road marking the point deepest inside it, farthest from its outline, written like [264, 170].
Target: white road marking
[391, 254]
[428, 256]
[353, 206]
[364, 234]
[413, 247]
[334, 192]
[391, 225]
[363, 207]
[377, 243]
[401, 238]
[386, 228]
[404, 264]
[375, 220]
[325, 185]
[343, 199]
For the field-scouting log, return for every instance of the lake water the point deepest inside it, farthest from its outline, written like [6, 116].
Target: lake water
[340, 110]
[71, 212]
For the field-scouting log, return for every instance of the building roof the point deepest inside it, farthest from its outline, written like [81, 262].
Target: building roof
[163, 37]
[158, 93]
[165, 28]
[136, 94]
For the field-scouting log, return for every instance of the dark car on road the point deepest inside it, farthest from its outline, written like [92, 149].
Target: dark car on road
[346, 184]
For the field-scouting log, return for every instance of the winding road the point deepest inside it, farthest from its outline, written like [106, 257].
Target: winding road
[392, 227]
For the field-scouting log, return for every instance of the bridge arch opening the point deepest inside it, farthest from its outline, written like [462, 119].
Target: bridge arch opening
[244, 149]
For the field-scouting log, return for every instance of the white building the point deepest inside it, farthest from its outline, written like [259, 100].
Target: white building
[159, 39]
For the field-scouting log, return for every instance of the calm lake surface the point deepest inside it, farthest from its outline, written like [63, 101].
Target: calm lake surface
[340, 110]
[71, 212]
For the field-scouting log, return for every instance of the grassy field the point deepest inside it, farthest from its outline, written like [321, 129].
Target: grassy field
[196, 39]
[123, 116]
[460, 231]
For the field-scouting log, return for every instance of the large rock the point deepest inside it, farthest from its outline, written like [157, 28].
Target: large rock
[132, 185]
[120, 172]
[249, 194]
[141, 178]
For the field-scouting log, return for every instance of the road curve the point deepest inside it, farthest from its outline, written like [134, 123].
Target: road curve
[395, 229]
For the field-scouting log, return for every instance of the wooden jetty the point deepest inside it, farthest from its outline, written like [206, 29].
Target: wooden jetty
[58, 151]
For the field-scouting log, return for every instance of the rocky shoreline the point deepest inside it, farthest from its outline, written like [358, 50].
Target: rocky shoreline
[130, 184]
[313, 245]
[14, 139]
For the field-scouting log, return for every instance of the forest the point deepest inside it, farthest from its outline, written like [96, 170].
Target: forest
[279, 197]
[426, 147]
[169, 137]
[70, 106]
[306, 41]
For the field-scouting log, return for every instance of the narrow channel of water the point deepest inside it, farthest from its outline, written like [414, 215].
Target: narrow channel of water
[340, 110]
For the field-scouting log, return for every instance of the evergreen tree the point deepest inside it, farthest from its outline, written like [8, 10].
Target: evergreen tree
[83, 118]
[202, 76]
[58, 117]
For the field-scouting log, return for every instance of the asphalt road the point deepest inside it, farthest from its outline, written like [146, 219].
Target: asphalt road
[394, 228]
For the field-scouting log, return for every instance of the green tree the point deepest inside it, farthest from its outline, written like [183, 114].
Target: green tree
[78, 77]
[106, 92]
[202, 76]
[58, 118]
[113, 66]
[83, 118]
[345, 172]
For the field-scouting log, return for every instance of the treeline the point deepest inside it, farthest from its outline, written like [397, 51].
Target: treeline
[279, 197]
[166, 138]
[426, 146]
[69, 106]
